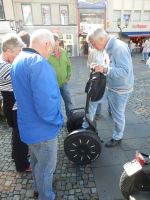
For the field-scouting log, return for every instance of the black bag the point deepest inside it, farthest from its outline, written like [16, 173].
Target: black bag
[95, 86]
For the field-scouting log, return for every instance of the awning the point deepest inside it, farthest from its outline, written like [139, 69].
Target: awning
[136, 34]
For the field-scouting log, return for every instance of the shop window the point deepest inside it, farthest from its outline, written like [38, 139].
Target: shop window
[27, 14]
[91, 16]
[127, 15]
[116, 15]
[146, 16]
[46, 14]
[136, 16]
[64, 16]
[1, 11]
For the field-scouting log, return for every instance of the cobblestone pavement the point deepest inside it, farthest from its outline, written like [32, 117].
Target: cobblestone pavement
[139, 101]
[70, 182]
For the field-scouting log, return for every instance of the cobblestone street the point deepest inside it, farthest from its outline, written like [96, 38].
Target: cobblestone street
[140, 98]
[70, 182]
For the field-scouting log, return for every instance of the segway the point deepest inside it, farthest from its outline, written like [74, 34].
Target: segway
[83, 146]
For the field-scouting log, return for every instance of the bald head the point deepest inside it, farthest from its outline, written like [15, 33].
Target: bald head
[43, 42]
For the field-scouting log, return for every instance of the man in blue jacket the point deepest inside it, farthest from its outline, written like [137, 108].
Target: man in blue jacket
[39, 109]
[120, 78]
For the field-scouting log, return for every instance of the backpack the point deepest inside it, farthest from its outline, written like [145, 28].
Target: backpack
[95, 86]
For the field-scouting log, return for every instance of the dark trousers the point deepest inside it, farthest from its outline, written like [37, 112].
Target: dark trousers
[19, 148]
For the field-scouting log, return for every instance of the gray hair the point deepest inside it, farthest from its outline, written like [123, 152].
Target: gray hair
[95, 34]
[11, 41]
[42, 36]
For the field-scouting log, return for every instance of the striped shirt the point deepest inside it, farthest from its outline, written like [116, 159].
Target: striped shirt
[5, 79]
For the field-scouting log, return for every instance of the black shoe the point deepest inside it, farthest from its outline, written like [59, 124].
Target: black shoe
[36, 194]
[112, 143]
[110, 114]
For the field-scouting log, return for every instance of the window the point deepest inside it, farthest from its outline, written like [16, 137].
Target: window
[92, 16]
[126, 15]
[137, 16]
[1, 10]
[146, 16]
[64, 17]
[27, 14]
[116, 15]
[46, 14]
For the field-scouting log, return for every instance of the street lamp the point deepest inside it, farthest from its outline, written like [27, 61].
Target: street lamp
[16, 25]
[119, 25]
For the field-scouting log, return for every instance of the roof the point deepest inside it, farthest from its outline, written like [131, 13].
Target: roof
[136, 34]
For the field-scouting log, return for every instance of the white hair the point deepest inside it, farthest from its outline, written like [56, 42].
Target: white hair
[42, 36]
[96, 33]
[11, 41]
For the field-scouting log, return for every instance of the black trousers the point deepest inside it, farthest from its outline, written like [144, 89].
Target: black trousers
[19, 148]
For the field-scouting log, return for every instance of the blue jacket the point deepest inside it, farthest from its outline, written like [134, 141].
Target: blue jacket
[38, 97]
[120, 76]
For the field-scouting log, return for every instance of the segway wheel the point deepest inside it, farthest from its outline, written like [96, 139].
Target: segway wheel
[128, 185]
[75, 121]
[82, 146]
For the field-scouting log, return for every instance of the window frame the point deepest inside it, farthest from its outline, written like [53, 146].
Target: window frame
[2, 11]
[49, 5]
[146, 11]
[118, 17]
[27, 4]
[136, 11]
[60, 5]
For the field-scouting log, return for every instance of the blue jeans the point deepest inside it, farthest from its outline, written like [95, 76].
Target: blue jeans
[117, 103]
[145, 56]
[64, 90]
[94, 108]
[43, 162]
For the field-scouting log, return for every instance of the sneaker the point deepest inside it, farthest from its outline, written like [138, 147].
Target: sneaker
[112, 143]
[98, 116]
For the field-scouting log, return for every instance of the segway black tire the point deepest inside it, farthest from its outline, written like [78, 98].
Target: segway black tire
[127, 185]
[75, 121]
[82, 146]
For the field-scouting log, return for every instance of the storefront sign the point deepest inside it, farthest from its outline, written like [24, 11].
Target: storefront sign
[55, 30]
[140, 26]
[98, 4]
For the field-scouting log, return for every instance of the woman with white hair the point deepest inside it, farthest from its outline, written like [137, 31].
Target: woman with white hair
[11, 46]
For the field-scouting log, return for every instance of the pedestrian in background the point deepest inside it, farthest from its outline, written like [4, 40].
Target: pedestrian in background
[39, 109]
[25, 36]
[11, 46]
[61, 63]
[146, 50]
[120, 78]
[95, 57]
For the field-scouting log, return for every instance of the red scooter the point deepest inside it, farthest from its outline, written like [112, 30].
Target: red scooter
[136, 176]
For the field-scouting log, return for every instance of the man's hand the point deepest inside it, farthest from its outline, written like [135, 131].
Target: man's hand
[99, 68]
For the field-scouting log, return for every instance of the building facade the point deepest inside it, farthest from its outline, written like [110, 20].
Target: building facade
[55, 15]
[91, 13]
[133, 17]
[71, 19]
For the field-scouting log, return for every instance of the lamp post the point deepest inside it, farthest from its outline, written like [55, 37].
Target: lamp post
[16, 25]
[119, 25]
